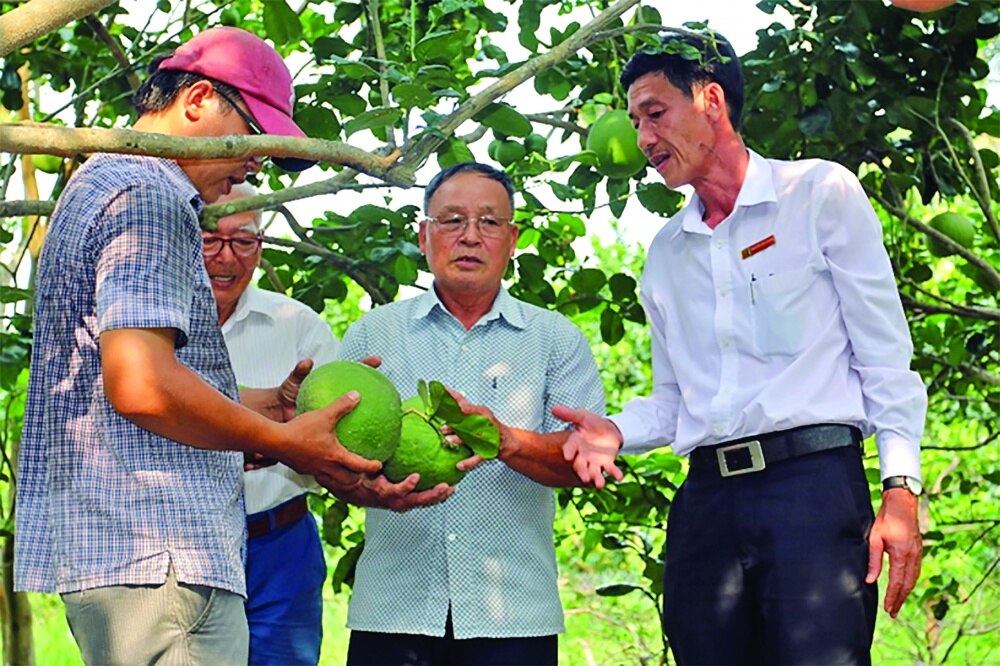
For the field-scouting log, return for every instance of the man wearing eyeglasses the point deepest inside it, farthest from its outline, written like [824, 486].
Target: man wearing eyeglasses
[471, 580]
[266, 333]
[130, 495]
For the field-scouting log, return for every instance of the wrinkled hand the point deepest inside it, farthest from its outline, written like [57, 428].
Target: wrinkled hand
[314, 450]
[378, 491]
[592, 446]
[278, 403]
[896, 532]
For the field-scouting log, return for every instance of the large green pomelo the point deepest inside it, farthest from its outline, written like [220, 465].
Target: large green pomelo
[616, 143]
[422, 449]
[371, 429]
[956, 227]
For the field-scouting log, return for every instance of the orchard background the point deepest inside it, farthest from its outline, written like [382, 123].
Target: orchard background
[390, 90]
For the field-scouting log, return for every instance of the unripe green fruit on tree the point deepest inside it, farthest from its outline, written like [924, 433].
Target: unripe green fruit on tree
[615, 141]
[509, 152]
[535, 143]
[956, 227]
[424, 450]
[47, 163]
[371, 429]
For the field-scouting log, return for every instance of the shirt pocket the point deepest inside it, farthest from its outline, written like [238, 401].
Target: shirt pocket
[781, 311]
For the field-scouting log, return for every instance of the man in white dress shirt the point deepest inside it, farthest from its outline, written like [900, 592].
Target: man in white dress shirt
[779, 341]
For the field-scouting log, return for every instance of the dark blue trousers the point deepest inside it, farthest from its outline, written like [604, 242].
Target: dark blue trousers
[769, 567]
[369, 648]
[285, 575]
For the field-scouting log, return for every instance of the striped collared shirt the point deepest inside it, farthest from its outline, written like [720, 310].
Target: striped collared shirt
[101, 501]
[488, 550]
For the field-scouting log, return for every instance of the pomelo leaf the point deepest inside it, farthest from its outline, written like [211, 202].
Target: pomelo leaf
[477, 432]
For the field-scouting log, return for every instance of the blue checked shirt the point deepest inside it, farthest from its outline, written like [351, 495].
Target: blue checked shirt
[101, 501]
[488, 550]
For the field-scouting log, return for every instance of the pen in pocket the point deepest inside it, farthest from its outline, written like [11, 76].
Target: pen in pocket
[753, 278]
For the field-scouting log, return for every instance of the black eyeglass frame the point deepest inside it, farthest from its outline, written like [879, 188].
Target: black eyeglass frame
[223, 242]
[255, 128]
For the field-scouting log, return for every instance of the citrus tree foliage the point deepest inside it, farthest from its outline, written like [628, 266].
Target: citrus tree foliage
[897, 97]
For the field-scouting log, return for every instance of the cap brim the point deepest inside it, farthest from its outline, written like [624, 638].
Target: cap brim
[275, 122]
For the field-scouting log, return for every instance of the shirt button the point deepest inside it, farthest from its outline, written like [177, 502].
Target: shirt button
[451, 537]
[723, 292]
[725, 341]
[465, 348]
[719, 429]
[719, 244]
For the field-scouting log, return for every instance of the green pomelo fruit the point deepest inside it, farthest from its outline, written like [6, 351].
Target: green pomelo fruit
[422, 449]
[47, 163]
[616, 143]
[956, 227]
[509, 152]
[491, 150]
[535, 143]
[371, 429]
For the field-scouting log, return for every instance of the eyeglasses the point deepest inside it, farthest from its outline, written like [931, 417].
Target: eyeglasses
[255, 128]
[241, 247]
[454, 224]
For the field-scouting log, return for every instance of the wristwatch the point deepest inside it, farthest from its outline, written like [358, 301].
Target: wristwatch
[908, 482]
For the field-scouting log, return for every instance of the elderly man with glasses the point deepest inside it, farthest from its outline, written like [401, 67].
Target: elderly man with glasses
[266, 333]
[130, 494]
[471, 580]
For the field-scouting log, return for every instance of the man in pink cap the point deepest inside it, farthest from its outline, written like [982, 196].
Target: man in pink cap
[130, 495]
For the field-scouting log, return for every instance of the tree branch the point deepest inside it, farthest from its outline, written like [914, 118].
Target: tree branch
[39, 17]
[68, 142]
[551, 119]
[969, 312]
[982, 182]
[416, 154]
[116, 50]
[987, 269]
[383, 81]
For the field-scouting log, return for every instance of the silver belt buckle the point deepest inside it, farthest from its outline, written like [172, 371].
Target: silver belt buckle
[756, 458]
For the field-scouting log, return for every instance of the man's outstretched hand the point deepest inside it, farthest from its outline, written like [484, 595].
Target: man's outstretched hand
[592, 445]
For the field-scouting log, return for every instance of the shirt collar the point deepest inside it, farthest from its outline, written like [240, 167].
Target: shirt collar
[182, 182]
[504, 306]
[757, 188]
[251, 301]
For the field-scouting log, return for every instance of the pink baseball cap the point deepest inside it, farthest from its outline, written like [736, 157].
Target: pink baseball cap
[247, 63]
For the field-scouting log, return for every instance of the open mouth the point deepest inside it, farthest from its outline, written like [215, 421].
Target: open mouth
[222, 280]
[659, 159]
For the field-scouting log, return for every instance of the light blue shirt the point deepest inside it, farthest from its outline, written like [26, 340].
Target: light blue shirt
[100, 501]
[487, 550]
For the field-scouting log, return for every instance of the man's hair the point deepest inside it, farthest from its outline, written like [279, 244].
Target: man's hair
[162, 86]
[241, 191]
[466, 167]
[711, 58]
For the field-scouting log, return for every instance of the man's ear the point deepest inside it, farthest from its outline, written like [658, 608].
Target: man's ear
[196, 98]
[714, 100]
[513, 239]
[422, 236]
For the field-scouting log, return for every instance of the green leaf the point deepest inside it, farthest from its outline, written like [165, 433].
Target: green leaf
[281, 23]
[658, 198]
[333, 522]
[424, 395]
[612, 326]
[412, 94]
[617, 589]
[454, 152]
[502, 118]
[331, 45]
[441, 46]
[588, 280]
[14, 294]
[622, 287]
[373, 118]
[348, 12]
[477, 432]
[815, 121]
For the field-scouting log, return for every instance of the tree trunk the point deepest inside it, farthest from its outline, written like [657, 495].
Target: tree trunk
[40, 17]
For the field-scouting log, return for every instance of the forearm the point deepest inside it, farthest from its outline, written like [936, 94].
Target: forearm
[539, 456]
[147, 385]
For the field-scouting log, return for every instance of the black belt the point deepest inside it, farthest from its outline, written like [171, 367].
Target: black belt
[753, 454]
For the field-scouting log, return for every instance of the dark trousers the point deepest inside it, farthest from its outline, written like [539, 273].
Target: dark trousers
[368, 648]
[769, 567]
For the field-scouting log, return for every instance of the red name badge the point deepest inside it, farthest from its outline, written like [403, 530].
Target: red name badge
[759, 246]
